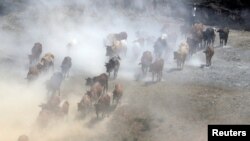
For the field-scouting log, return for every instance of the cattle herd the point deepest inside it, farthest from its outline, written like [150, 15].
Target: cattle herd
[98, 98]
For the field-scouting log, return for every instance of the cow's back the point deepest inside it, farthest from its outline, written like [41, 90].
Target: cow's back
[102, 79]
[157, 66]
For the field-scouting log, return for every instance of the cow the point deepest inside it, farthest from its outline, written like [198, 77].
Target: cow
[181, 55]
[52, 110]
[47, 61]
[208, 37]
[146, 61]
[197, 33]
[66, 65]
[34, 72]
[95, 91]
[160, 45]
[102, 79]
[209, 52]
[84, 106]
[223, 35]
[53, 104]
[53, 85]
[44, 117]
[117, 93]
[156, 68]
[23, 138]
[36, 52]
[103, 105]
[113, 65]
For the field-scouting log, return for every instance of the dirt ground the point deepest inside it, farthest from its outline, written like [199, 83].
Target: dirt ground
[186, 101]
[178, 108]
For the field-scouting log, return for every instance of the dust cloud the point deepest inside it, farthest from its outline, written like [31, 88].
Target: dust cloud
[85, 24]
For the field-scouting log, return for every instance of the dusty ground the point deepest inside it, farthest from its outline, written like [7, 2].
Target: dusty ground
[178, 108]
[186, 101]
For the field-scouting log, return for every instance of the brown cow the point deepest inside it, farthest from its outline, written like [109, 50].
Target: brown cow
[84, 106]
[93, 96]
[103, 105]
[34, 72]
[117, 93]
[157, 68]
[209, 52]
[102, 79]
[44, 117]
[181, 54]
[36, 51]
[52, 111]
[23, 138]
[47, 61]
[197, 33]
[95, 91]
[146, 61]
[53, 104]
[197, 28]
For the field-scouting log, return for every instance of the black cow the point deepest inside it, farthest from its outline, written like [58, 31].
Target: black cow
[36, 52]
[208, 37]
[223, 34]
[113, 65]
[160, 46]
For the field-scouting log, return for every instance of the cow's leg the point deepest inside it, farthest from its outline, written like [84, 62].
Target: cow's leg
[109, 74]
[97, 115]
[210, 62]
[116, 72]
[113, 101]
[97, 110]
[207, 61]
[152, 76]
[160, 76]
[226, 41]
[182, 63]
[177, 63]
